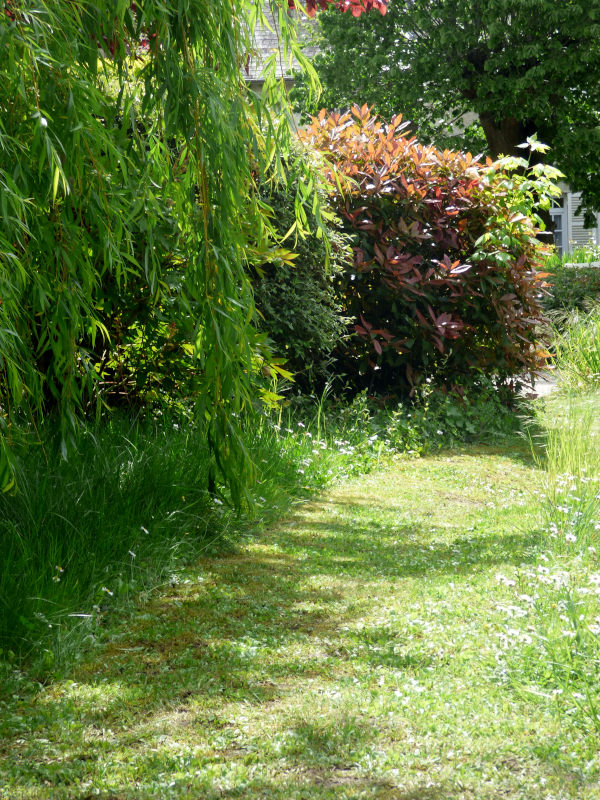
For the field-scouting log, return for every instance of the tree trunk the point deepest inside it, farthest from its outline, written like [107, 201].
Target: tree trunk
[504, 137]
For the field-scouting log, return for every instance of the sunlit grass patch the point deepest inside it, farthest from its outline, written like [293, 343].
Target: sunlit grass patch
[552, 633]
[84, 538]
[119, 518]
[354, 649]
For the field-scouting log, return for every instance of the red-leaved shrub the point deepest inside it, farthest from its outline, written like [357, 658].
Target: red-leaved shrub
[445, 279]
[356, 7]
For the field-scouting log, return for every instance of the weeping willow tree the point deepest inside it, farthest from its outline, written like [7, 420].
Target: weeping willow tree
[129, 142]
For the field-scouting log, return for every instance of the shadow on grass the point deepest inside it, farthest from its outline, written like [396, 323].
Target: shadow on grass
[517, 449]
[240, 635]
[369, 549]
[313, 785]
[339, 787]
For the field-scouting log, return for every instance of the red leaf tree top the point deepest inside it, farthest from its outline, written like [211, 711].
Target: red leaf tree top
[356, 7]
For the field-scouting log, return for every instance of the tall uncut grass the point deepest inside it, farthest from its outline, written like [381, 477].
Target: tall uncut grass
[82, 537]
[577, 349]
[571, 456]
[573, 287]
[555, 626]
[583, 255]
[78, 534]
[559, 600]
[557, 643]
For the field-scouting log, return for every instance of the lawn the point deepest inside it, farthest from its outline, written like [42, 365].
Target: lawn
[355, 649]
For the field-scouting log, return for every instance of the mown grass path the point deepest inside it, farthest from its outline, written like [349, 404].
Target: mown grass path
[349, 652]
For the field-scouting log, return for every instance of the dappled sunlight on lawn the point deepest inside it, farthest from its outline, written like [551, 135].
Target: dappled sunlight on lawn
[348, 653]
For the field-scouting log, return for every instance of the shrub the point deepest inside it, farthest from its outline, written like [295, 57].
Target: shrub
[573, 287]
[295, 297]
[148, 357]
[128, 154]
[444, 280]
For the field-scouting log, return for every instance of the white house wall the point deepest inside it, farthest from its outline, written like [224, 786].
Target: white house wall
[267, 42]
[577, 235]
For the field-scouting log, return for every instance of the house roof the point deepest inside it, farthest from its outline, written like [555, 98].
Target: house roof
[267, 41]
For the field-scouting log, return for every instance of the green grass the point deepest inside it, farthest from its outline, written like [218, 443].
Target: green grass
[576, 346]
[553, 649]
[129, 507]
[574, 287]
[83, 537]
[427, 627]
[583, 255]
[355, 649]
[78, 535]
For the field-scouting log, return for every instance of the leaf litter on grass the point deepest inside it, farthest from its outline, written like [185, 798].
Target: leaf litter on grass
[351, 651]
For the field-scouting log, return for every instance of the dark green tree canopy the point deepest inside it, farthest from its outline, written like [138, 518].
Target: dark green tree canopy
[522, 66]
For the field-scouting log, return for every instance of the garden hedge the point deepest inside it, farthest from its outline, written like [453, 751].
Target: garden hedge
[446, 279]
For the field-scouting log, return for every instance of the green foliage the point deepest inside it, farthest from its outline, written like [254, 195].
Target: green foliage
[295, 296]
[358, 59]
[128, 168]
[445, 279]
[433, 420]
[520, 67]
[442, 420]
[573, 287]
[555, 624]
[149, 360]
[576, 348]
[120, 514]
